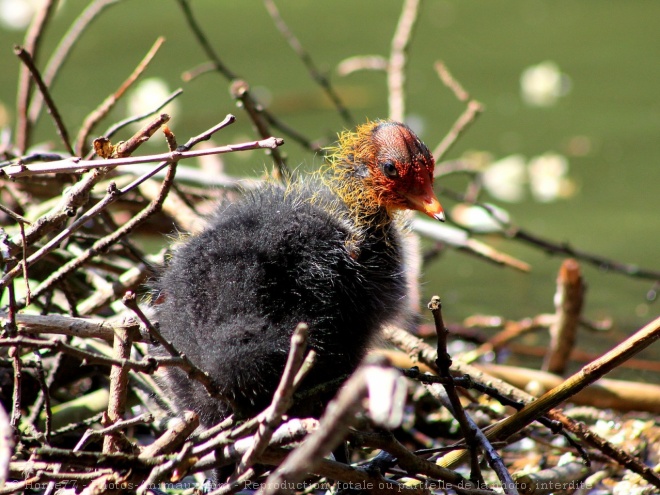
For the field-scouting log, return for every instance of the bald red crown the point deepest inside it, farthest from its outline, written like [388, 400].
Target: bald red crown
[400, 167]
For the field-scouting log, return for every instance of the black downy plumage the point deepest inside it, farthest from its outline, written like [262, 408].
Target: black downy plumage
[325, 250]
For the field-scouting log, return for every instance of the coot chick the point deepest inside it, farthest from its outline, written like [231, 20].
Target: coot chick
[325, 250]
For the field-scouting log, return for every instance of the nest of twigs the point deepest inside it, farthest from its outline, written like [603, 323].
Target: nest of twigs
[81, 410]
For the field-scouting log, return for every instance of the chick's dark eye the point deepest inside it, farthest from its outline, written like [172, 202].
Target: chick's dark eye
[389, 168]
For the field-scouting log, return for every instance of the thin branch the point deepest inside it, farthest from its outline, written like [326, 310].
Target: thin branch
[154, 207]
[603, 263]
[296, 136]
[621, 395]
[45, 393]
[608, 448]
[515, 232]
[28, 61]
[113, 129]
[95, 117]
[203, 41]
[85, 423]
[282, 400]
[32, 46]
[468, 428]
[9, 326]
[64, 48]
[66, 325]
[396, 68]
[147, 365]
[76, 197]
[16, 412]
[200, 70]
[306, 59]
[460, 240]
[86, 458]
[105, 294]
[28, 290]
[559, 394]
[185, 364]
[76, 164]
[174, 437]
[362, 62]
[569, 299]
[105, 149]
[510, 331]
[118, 388]
[466, 119]
[15, 216]
[239, 89]
[448, 80]
[113, 193]
[206, 135]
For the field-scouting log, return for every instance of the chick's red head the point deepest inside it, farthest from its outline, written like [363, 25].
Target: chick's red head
[400, 167]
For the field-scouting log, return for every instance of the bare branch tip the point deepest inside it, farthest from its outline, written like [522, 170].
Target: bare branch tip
[435, 304]
[129, 298]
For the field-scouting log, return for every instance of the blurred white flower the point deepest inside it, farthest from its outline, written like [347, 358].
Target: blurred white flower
[505, 179]
[387, 391]
[543, 84]
[548, 177]
[147, 95]
[477, 219]
[439, 231]
[17, 14]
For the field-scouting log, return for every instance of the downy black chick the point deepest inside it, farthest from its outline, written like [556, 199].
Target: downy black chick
[325, 250]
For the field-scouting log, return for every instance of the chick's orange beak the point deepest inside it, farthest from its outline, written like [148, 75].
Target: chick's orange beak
[426, 202]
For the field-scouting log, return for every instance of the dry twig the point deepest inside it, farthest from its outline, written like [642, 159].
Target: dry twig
[32, 46]
[396, 68]
[586, 376]
[472, 434]
[27, 59]
[305, 57]
[568, 304]
[95, 117]
[422, 352]
[282, 400]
